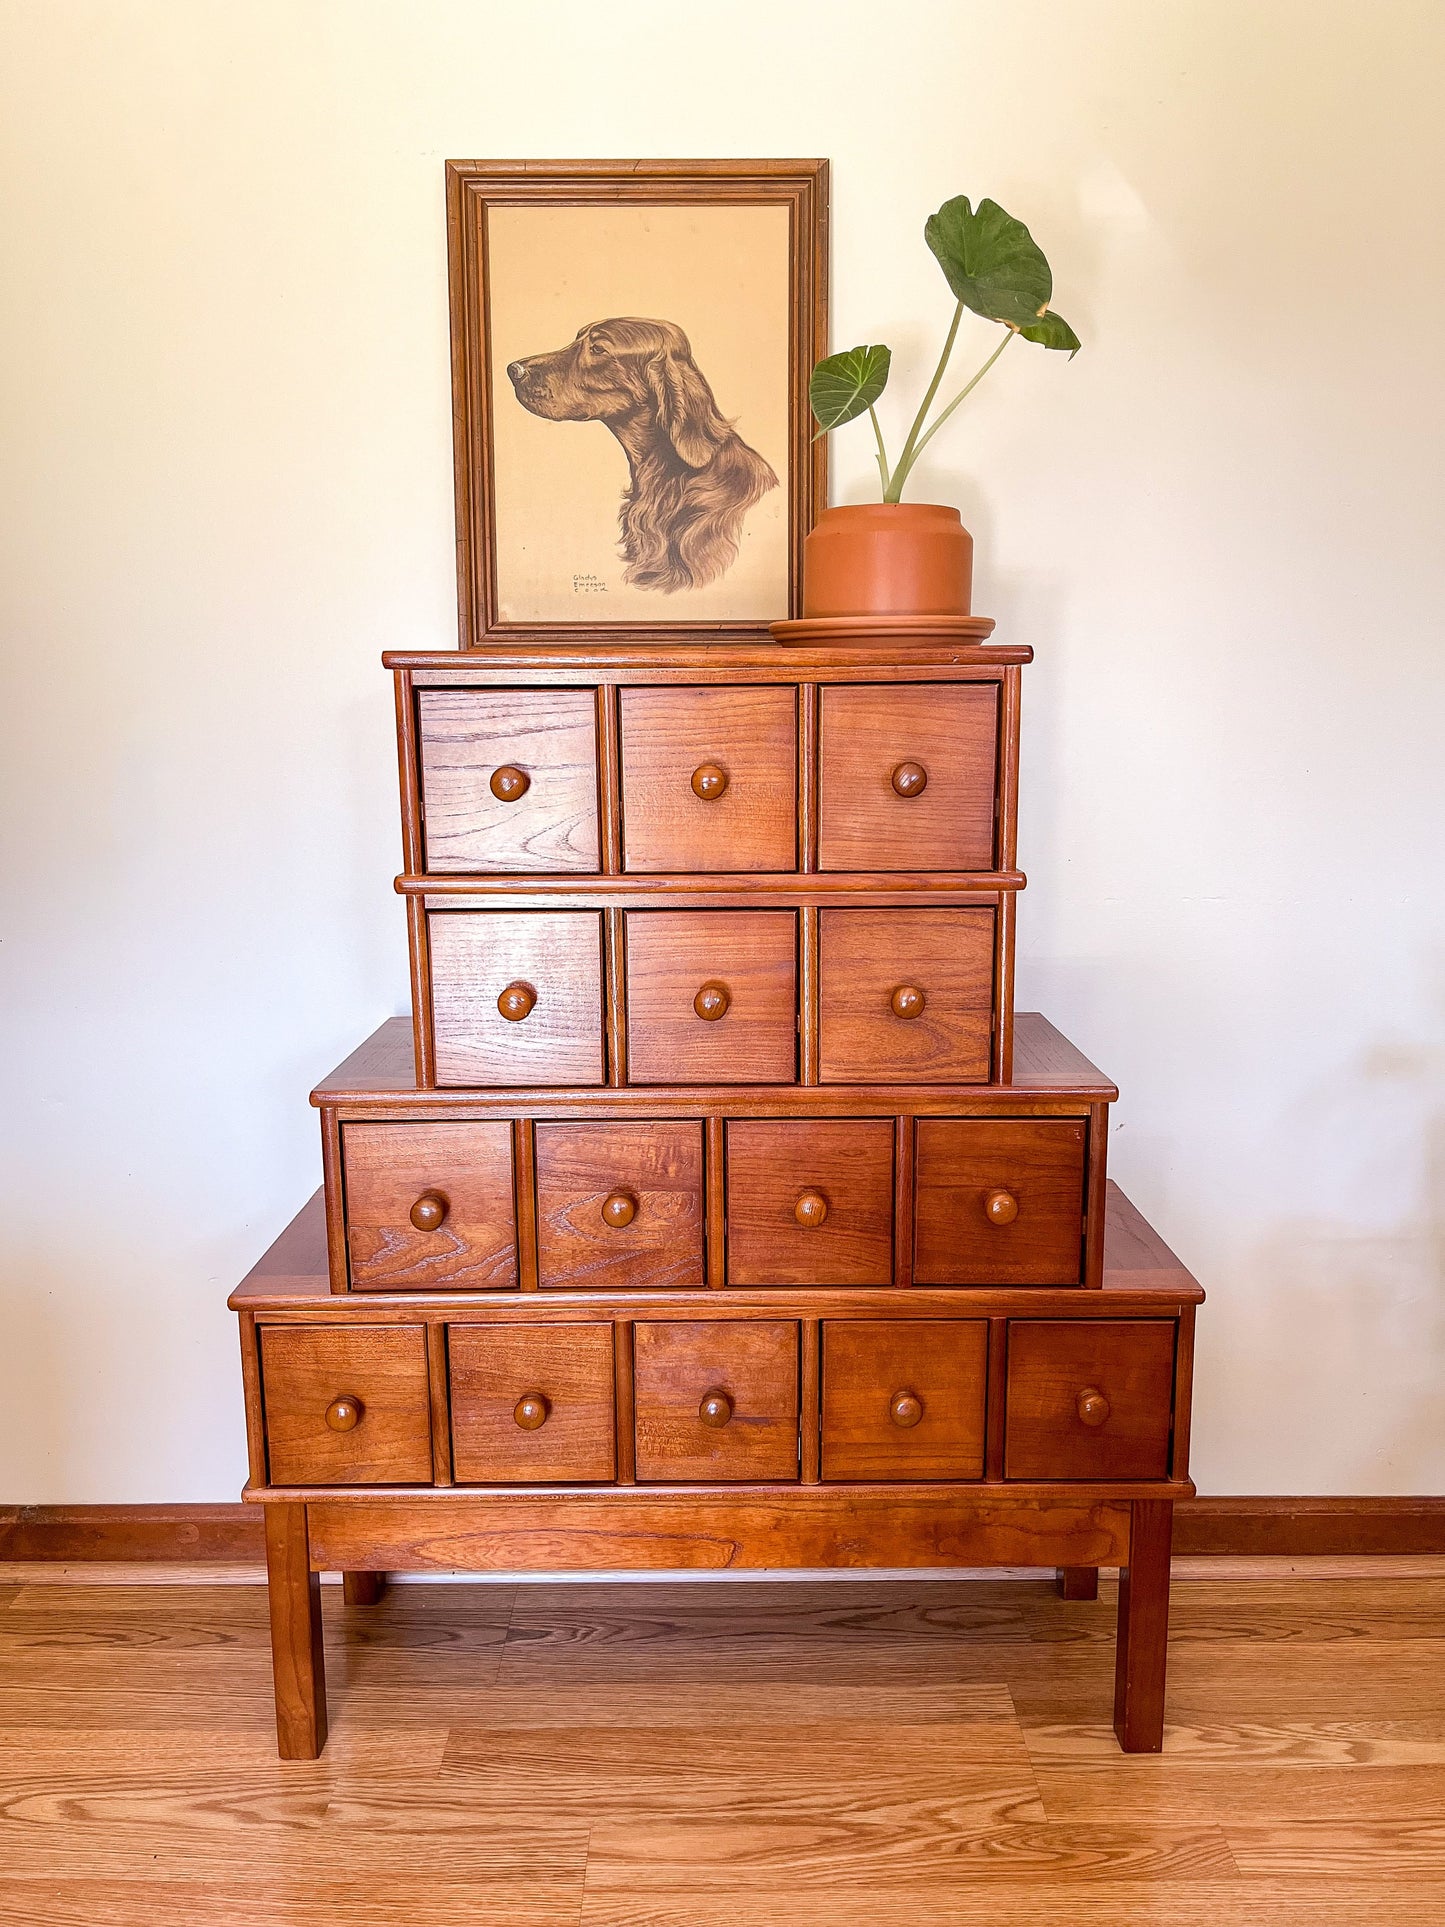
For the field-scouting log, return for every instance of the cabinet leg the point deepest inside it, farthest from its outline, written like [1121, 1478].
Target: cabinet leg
[296, 1655]
[1143, 1648]
[1077, 1582]
[362, 1588]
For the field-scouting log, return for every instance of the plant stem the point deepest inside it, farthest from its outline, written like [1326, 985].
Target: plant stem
[892, 490]
[882, 451]
[912, 453]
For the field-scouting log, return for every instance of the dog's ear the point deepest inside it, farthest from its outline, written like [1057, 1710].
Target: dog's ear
[685, 408]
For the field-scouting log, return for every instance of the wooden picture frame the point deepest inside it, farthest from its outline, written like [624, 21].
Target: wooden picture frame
[673, 525]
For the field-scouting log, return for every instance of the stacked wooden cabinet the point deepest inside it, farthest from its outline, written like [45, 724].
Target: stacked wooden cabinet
[716, 1211]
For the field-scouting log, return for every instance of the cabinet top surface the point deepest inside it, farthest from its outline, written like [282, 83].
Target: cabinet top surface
[768, 659]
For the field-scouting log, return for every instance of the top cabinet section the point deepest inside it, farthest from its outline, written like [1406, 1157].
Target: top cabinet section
[508, 779]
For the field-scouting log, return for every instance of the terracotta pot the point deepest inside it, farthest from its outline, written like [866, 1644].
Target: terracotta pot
[888, 559]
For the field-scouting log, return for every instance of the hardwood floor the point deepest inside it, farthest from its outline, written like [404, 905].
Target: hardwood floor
[737, 1755]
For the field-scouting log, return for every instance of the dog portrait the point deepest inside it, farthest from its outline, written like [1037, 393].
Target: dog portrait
[691, 476]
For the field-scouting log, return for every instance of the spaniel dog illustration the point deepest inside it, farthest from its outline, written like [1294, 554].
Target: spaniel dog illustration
[693, 478]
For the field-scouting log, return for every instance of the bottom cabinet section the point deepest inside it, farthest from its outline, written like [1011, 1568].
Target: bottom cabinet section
[531, 1404]
[904, 1398]
[716, 1400]
[346, 1407]
[1091, 1399]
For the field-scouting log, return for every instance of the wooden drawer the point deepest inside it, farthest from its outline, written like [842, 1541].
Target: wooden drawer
[809, 1203]
[429, 1206]
[509, 779]
[904, 1398]
[905, 996]
[743, 964]
[346, 1407]
[709, 779]
[546, 965]
[906, 777]
[531, 1403]
[716, 1400]
[619, 1206]
[1000, 1201]
[1090, 1399]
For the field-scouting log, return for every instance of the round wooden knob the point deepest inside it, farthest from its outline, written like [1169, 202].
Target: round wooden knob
[531, 1411]
[1092, 1406]
[715, 1410]
[508, 783]
[344, 1414]
[906, 1409]
[516, 1002]
[811, 1209]
[907, 1001]
[1001, 1207]
[910, 779]
[429, 1213]
[711, 1002]
[709, 782]
[619, 1209]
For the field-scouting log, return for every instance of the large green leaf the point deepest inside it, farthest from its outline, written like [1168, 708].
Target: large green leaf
[1052, 331]
[991, 261]
[845, 384]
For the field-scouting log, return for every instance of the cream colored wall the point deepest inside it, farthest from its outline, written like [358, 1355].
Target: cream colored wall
[227, 487]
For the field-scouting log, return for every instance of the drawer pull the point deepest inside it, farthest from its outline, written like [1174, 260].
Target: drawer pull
[1092, 1406]
[344, 1414]
[429, 1213]
[709, 782]
[910, 779]
[1001, 1207]
[906, 1409]
[619, 1209]
[711, 1002]
[716, 1409]
[509, 783]
[531, 1411]
[907, 1001]
[516, 1002]
[811, 1209]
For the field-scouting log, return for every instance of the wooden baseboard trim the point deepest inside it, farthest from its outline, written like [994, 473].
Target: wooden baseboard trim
[1204, 1528]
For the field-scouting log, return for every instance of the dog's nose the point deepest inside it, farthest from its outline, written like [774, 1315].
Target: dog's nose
[516, 371]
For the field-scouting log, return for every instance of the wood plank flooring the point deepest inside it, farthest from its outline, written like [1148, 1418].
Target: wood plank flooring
[738, 1755]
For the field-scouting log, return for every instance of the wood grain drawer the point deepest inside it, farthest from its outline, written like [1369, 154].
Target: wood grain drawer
[619, 1206]
[741, 965]
[904, 1398]
[906, 777]
[1090, 1399]
[429, 1207]
[545, 966]
[905, 996]
[709, 779]
[716, 1400]
[346, 1407]
[531, 1403]
[509, 779]
[1000, 1201]
[809, 1203]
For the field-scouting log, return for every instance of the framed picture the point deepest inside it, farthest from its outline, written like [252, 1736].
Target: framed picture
[631, 347]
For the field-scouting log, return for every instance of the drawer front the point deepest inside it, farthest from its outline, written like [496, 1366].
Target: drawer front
[1091, 1399]
[546, 966]
[739, 964]
[531, 1403]
[810, 1203]
[619, 1206]
[346, 1407]
[716, 1400]
[904, 1398]
[1000, 1201]
[429, 1207]
[509, 779]
[709, 779]
[906, 777]
[905, 996]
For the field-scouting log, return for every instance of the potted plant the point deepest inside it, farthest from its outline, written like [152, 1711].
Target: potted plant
[897, 559]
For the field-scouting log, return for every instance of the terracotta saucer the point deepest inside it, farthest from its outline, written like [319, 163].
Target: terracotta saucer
[845, 629]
